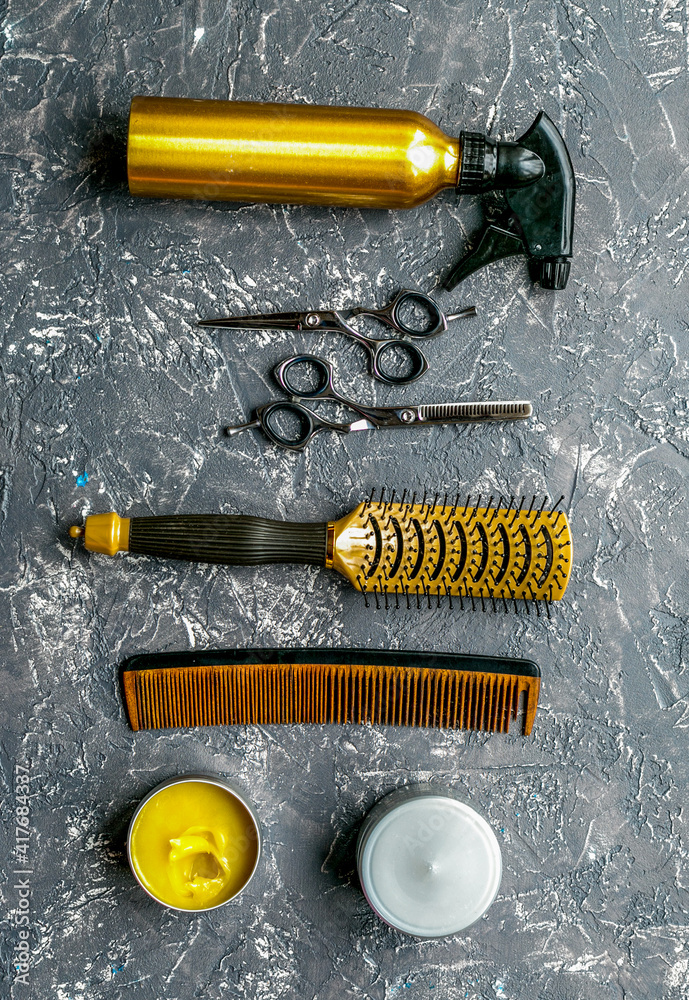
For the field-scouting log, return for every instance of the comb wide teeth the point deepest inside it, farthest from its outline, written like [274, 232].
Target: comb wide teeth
[489, 556]
[334, 693]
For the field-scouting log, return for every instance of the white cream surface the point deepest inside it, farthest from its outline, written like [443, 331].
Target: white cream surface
[431, 866]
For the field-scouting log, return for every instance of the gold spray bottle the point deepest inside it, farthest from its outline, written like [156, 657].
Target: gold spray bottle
[295, 153]
[365, 157]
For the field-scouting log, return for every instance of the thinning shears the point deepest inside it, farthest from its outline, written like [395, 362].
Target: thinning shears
[393, 360]
[291, 425]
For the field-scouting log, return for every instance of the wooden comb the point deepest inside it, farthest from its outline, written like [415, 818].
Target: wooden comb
[270, 686]
[494, 555]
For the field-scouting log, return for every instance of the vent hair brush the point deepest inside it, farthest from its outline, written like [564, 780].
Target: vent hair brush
[291, 686]
[493, 555]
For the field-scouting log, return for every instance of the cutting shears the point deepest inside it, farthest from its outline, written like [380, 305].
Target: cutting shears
[393, 360]
[291, 425]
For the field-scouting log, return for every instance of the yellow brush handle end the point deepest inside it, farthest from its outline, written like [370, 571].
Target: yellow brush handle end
[107, 533]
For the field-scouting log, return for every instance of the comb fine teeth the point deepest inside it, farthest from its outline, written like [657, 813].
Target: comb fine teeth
[294, 693]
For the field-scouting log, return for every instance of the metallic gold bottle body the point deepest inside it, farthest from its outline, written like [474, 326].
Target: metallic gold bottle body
[287, 153]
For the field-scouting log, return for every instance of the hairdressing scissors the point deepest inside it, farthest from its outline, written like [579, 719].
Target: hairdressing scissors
[411, 313]
[292, 425]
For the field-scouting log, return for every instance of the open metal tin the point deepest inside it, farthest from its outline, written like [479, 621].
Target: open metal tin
[226, 786]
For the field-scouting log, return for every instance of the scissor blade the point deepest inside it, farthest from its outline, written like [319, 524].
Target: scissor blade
[442, 413]
[259, 321]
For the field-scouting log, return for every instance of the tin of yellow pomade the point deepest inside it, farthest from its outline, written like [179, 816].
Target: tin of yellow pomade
[194, 842]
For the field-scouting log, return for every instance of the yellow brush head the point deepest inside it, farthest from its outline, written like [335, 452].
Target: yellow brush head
[493, 554]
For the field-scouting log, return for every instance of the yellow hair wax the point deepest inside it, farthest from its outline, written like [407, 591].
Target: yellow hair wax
[193, 844]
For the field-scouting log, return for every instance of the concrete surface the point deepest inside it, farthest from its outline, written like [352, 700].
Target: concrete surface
[105, 376]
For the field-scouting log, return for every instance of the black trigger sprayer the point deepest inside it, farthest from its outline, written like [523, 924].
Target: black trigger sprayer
[540, 196]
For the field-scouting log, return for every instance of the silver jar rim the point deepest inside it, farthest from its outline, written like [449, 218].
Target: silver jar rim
[390, 802]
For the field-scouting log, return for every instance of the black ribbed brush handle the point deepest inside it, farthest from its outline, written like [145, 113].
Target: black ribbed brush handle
[228, 538]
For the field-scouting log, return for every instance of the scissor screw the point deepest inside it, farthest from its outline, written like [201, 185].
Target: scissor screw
[311, 319]
[406, 416]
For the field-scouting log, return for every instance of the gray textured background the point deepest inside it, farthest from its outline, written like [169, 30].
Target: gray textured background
[104, 372]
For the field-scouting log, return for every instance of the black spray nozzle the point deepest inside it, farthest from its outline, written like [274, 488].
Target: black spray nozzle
[536, 175]
[491, 166]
